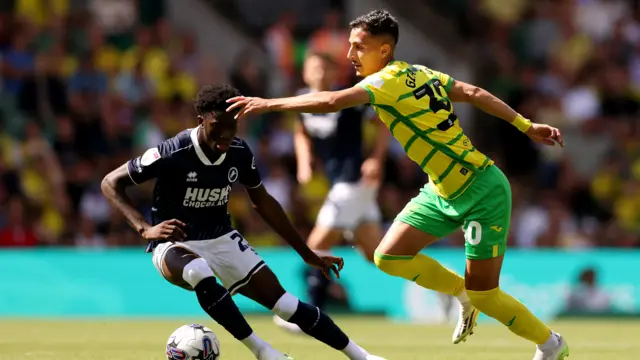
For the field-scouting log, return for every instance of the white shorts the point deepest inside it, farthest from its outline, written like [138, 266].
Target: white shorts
[230, 257]
[348, 205]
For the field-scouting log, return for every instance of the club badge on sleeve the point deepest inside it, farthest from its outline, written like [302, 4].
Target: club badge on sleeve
[150, 156]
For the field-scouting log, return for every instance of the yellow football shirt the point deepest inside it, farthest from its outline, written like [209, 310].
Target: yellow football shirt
[413, 103]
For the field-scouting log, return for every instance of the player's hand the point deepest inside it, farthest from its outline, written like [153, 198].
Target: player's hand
[371, 170]
[327, 264]
[170, 230]
[545, 134]
[305, 173]
[248, 106]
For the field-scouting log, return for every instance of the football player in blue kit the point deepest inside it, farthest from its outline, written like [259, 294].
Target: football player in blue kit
[336, 141]
[193, 243]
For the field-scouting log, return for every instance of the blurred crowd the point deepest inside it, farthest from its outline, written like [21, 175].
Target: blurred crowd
[574, 64]
[84, 89]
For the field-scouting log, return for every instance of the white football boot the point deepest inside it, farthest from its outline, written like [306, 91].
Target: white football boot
[373, 357]
[290, 327]
[467, 321]
[558, 352]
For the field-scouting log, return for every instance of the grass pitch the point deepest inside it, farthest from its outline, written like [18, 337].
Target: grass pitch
[145, 339]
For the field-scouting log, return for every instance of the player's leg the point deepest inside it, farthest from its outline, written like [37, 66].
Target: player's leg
[367, 238]
[265, 289]
[423, 221]
[486, 229]
[339, 212]
[416, 227]
[368, 234]
[322, 239]
[182, 267]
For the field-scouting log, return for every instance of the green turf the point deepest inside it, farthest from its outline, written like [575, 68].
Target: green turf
[145, 339]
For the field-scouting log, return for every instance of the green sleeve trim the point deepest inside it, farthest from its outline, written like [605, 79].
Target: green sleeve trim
[448, 85]
[372, 98]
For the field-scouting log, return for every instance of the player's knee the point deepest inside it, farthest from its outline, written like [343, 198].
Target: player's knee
[286, 306]
[195, 271]
[390, 266]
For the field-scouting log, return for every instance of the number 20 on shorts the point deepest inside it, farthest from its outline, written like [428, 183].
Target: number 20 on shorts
[473, 233]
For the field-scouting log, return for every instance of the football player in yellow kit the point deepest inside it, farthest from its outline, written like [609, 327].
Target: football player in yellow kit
[466, 188]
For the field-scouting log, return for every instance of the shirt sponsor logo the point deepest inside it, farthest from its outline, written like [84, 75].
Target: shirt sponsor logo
[204, 198]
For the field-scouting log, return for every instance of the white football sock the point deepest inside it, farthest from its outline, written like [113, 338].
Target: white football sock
[355, 352]
[254, 343]
[551, 342]
[464, 298]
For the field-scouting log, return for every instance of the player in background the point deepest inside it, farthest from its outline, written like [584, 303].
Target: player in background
[336, 140]
[191, 237]
[465, 190]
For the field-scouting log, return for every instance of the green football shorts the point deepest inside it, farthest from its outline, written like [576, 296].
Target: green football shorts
[483, 211]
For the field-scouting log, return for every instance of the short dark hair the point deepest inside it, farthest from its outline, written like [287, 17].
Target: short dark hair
[213, 98]
[378, 22]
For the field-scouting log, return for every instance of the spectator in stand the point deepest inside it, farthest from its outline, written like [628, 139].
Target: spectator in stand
[153, 59]
[18, 229]
[333, 39]
[574, 64]
[134, 87]
[106, 58]
[19, 62]
[39, 12]
[280, 46]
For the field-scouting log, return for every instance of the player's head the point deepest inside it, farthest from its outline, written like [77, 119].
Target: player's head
[320, 71]
[373, 40]
[219, 126]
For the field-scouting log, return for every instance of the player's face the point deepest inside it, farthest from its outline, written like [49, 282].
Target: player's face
[367, 53]
[318, 73]
[219, 130]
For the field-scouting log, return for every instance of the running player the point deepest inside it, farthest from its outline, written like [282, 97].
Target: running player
[466, 189]
[336, 140]
[192, 240]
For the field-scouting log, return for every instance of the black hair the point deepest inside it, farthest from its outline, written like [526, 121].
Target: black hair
[213, 98]
[378, 22]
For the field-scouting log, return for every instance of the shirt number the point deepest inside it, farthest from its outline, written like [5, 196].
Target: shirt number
[437, 100]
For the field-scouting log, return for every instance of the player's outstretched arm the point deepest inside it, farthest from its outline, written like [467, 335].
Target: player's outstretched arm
[273, 214]
[114, 189]
[319, 102]
[492, 105]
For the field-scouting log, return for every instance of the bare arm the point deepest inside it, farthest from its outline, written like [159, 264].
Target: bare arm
[489, 103]
[482, 99]
[382, 142]
[320, 102]
[272, 213]
[114, 189]
[302, 144]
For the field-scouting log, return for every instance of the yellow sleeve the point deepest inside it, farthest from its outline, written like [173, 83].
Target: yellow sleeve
[446, 80]
[380, 88]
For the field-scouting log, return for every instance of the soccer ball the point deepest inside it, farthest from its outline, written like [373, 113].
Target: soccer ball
[193, 342]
